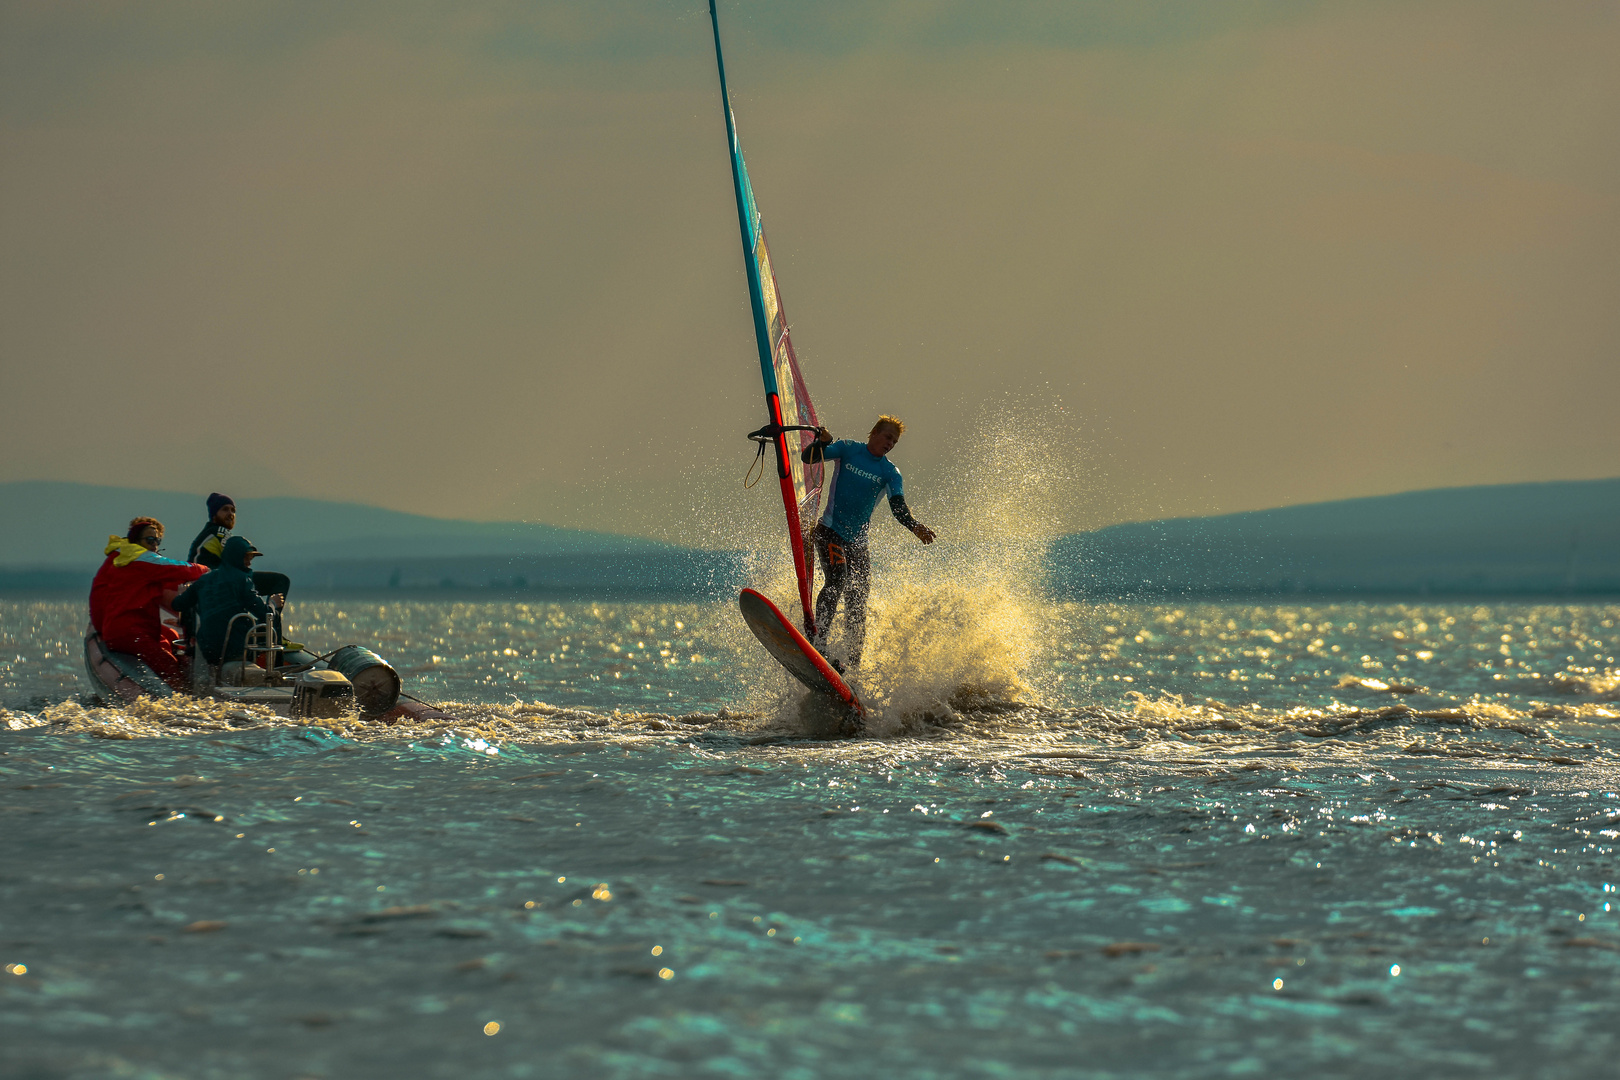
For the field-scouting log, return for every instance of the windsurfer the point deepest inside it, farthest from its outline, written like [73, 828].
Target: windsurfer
[863, 473]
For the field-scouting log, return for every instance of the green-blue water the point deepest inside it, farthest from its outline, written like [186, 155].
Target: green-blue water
[1216, 840]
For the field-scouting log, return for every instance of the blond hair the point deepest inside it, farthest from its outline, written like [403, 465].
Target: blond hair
[898, 424]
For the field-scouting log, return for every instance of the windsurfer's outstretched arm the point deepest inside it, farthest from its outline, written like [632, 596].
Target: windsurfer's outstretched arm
[902, 514]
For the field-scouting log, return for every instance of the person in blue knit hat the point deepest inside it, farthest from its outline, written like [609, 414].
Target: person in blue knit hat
[209, 546]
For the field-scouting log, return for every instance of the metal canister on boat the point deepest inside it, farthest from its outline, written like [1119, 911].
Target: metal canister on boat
[376, 685]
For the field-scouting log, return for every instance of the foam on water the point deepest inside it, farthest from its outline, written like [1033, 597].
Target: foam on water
[538, 674]
[944, 649]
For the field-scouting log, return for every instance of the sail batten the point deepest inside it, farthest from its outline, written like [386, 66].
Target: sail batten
[787, 399]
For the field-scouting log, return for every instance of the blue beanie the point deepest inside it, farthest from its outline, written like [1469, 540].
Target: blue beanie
[216, 500]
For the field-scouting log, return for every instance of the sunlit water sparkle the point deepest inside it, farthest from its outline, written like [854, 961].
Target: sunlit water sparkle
[1216, 839]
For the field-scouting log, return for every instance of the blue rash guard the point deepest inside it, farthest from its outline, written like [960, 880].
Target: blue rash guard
[855, 488]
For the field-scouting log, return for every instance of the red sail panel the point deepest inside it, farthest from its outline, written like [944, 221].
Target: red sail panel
[797, 408]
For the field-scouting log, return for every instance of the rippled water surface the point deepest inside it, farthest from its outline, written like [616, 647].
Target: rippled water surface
[1204, 840]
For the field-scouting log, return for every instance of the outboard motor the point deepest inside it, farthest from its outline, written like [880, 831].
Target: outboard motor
[323, 695]
[376, 685]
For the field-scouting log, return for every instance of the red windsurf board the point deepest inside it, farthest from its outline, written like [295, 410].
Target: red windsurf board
[793, 650]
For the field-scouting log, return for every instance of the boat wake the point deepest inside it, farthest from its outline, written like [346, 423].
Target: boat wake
[1154, 731]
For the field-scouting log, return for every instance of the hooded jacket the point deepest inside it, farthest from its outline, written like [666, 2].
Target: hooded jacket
[126, 597]
[221, 594]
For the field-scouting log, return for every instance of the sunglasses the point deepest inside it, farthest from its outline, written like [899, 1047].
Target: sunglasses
[150, 541]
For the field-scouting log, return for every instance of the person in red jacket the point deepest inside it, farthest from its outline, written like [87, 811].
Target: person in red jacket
[130, 593]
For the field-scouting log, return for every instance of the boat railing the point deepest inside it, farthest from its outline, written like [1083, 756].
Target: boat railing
[260, 646]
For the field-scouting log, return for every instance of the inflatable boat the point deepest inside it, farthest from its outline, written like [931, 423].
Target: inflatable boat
[293, 682]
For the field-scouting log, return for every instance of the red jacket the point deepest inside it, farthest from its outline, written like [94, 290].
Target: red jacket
[132, 588]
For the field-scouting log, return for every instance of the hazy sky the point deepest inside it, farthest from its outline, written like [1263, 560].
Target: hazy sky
[481, 259]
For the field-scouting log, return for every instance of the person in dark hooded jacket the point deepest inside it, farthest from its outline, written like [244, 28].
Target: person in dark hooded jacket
[221, 594]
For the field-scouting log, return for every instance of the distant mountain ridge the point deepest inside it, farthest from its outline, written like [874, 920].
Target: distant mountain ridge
[58, 531]
[63, 525]
[1553, 538]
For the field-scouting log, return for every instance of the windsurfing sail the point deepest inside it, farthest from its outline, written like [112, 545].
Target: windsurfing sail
[790, 415]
